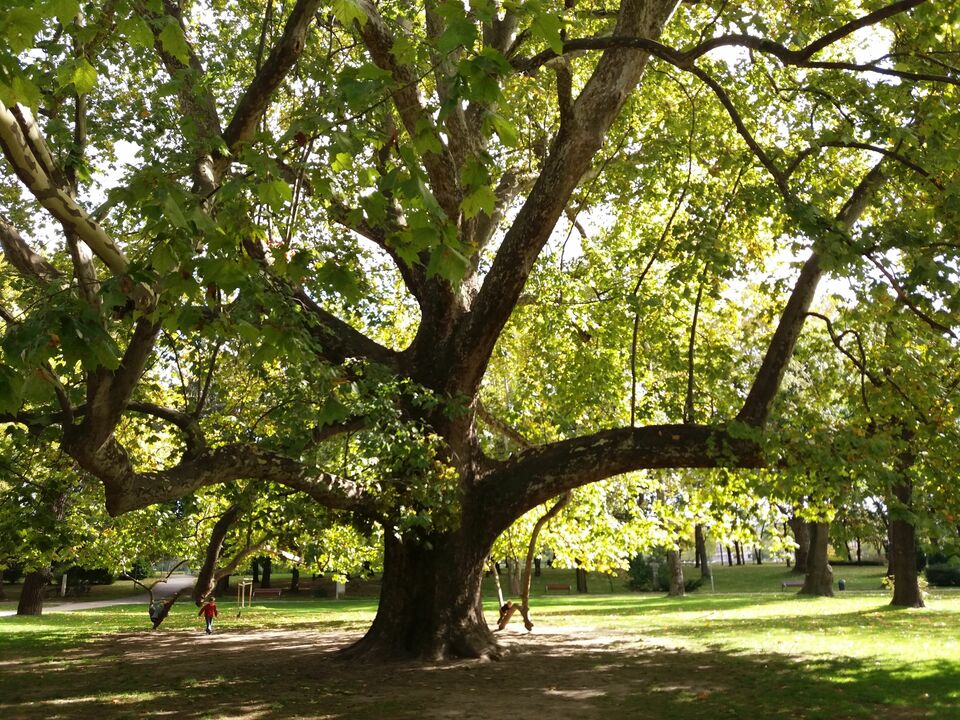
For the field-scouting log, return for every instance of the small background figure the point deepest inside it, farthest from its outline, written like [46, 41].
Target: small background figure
[209, 612]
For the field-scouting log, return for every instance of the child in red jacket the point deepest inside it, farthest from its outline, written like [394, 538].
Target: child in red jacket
[209, 612]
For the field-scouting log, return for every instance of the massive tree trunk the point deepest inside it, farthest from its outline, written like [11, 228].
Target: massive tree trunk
[819, 579]
[676, 573]
[700, 541]
[801, 535]
[31, 597]
[430, 601]
[903, 549]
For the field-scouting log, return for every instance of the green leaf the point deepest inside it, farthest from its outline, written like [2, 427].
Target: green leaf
[502, 127]
[136, 31]
[84, 77]
[173, 213]
[547, 26]
[20, 26]
[448, 264]
[163, 259]
[275, 193]
[11, 390]
[460, 32]
[174, 42]
[482, 199]
[339, 279]
[23, 91]
[64, 10]
[348, 11]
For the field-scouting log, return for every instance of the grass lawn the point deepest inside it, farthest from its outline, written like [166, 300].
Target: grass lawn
[755, 652]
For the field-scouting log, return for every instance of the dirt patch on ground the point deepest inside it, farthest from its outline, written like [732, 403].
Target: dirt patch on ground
[561, 674]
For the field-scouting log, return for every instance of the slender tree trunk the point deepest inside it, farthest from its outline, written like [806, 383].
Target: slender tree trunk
[531, 549]
[729, 557]
[819, 578]
[849, 552]
[738, 551]
[31, 597]
[700, 541]
[581, 580]
[267, 564]
[801, 535]
[255, 569]
[903, 551]
[859, 552]
[676, 574]
[513, 575]
[757, 554]
[295, 580]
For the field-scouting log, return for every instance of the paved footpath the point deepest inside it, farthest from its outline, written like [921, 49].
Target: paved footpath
[162, 590]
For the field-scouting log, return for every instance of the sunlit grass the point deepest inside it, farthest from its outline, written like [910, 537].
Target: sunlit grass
[761, 654]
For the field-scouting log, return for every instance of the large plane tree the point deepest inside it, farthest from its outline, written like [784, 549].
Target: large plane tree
[294, 233]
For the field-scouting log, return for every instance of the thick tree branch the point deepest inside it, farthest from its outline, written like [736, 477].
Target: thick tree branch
[616, 75]
[206, 577]
[440, 165]
[196, 101]
[756, 407]
[128, 490]
[23, 257]
[340, 341]
[535, 476]
[413, 275]
[256, 98]
[51, 195]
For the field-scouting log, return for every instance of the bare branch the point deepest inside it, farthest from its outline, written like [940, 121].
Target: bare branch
[905, 298]
[193, 436]
[502, 428]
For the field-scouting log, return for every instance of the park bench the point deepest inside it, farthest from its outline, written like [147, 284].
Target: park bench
[791, 583]
[557, 586]
[267, 592]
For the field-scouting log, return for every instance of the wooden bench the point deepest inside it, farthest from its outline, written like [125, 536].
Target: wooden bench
[269, 592]
[791, 583]
[557, 586]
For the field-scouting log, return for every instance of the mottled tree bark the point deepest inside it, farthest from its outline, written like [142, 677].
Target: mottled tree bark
[31, 596]
[903, 549]
[801, 535]
[430, 602]
[700, 541]
[676, 574]
[819, 578]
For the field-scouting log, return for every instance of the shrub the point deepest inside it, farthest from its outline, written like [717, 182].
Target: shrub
[945, 574]
[139, 570]
[641, 575]
[89, 576]
[13, 573]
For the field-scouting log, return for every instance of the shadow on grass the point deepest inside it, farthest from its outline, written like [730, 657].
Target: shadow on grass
[289, 672]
